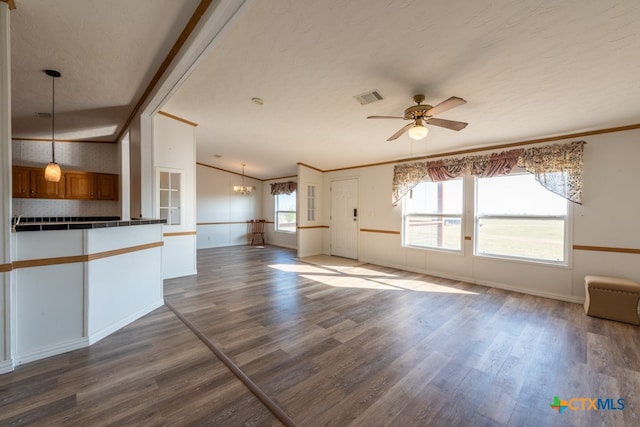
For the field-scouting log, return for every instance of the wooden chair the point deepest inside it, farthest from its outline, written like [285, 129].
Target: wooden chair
[256, 231]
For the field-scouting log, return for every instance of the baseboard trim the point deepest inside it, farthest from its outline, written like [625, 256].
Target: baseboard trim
[78, 343]
[534, 292]
[43, 353]
[182, 274]
[6, 366]
[294, 247]
[419, 270]
[310, 254]
[105, 332]
[550, 295]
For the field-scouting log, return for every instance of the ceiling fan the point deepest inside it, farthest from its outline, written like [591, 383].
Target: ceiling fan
[422, 114]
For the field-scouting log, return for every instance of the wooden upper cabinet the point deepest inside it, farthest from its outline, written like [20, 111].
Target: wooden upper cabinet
[20, 181]
[106, 186]
[79, 185]
[42, 189]
[76, 185]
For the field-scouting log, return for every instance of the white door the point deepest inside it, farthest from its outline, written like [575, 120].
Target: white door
[344, 218]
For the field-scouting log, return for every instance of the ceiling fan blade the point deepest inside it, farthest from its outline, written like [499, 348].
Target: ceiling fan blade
[449, 124]
[445, 105]
[401, 131]
[385, 117]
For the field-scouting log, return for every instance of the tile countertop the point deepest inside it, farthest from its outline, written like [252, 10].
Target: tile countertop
[76, 223]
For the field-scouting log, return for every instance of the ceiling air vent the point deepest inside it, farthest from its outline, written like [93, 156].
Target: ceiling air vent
[369, 97]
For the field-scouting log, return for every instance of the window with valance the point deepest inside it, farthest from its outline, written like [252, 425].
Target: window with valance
[285, 206]
[557, 167]
[288, 187]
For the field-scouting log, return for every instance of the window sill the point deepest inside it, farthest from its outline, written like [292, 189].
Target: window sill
[527, 261]
[441, 250]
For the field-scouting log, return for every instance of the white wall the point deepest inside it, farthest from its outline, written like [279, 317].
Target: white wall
[174, 148]
[92, 157]
[125, 176]
[607, 218]
[221, 214]
[125, 287]
[5, 183]
[609, 214]
[49, 305]
[63, 307]
[310, 233]
[135, 168]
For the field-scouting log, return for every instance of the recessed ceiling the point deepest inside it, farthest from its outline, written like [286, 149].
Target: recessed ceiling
[527, 70]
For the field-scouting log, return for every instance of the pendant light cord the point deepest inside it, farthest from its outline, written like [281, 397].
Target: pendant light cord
[53, 118]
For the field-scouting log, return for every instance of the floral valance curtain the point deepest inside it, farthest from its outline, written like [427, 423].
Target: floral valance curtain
[557, 167]
[283, 187]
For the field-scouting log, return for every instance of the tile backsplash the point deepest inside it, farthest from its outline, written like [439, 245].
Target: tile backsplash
[87, 156]
[53, 207]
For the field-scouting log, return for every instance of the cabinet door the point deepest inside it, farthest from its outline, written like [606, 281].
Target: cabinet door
[43, 189]
[106, 186]
[20, 181]
[79, 185]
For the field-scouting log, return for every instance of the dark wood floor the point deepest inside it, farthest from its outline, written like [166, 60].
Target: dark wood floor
[361, 346]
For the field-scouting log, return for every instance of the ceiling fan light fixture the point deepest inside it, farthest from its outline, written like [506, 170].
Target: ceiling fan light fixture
[418, 131]
[419, 113]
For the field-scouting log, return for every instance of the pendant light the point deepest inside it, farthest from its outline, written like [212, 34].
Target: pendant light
[418, 131]
[242, 189]
[52, 172]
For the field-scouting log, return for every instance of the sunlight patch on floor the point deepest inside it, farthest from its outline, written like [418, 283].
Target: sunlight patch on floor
[357, 277]
[340, 281]
[330, 261]
[298, 268]
[352, 267]
[424, 286]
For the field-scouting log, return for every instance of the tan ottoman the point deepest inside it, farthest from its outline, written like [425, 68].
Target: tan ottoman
[612, 298]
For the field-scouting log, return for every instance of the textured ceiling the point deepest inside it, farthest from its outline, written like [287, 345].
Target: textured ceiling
[106, 51]
[528, 69]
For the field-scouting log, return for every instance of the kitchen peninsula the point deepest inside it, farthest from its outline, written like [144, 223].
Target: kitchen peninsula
[77, 280]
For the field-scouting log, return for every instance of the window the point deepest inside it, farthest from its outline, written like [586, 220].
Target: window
[311, 202]
[286, 212]
[518, 218]
[170, 197]
[433, 215]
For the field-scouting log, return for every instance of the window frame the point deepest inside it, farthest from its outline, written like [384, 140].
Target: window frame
[441, 217]
[277, 212]
[311, 203]
[566, 262]
[170, 197]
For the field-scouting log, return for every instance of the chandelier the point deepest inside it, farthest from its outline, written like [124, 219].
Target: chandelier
[242, 189]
